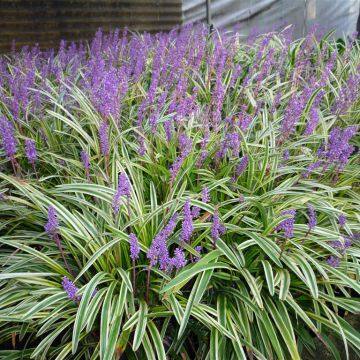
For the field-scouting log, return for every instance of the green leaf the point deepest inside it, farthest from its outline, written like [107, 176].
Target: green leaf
[235, 260]
[83, 309]
[269, 276]
[141, 326]
[253, 287]
[106, 312]
[190, 272]
[116, 323]
[196, 294]
[47, 302]
[284, 283]
[214, 344]
[157, 341]
[309, 275]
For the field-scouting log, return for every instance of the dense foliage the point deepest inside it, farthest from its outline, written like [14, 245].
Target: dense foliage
[179, 196]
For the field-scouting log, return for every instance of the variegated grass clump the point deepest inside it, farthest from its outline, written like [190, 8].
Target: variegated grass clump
[194, 198]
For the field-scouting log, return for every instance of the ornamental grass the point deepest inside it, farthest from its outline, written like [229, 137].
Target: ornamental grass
[180, 196]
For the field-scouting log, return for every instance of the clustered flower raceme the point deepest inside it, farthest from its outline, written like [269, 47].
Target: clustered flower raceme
[70, 289]
[51, 227]
[124, 189]
[187, 225]
[336, 152]
[312, 217]
[85, 159]
[163, 66]
[134, 247]
[341, 245]
[287, 225]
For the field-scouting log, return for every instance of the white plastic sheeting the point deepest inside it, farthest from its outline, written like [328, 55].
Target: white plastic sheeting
[265, 15]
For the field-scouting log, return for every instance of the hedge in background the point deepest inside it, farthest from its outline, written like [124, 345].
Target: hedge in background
[179, 196]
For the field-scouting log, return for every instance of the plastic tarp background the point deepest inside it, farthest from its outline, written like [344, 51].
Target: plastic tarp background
[265, 15]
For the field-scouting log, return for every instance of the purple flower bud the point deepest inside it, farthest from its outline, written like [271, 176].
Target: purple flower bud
[286, 155]
[187, 225]
[287, 225]
[205, 195]
[312, 217]
[333, 261]
[311, 168]
[312, 122]
[241, 167]
[347, 242]
[195, 212]
[85, 159]
[197, 249]
[122, 190]
[185, 145]
[7, 132]
[52, 224]
[356, 236]
[178, 261]
[70, 289]
[104, 139]
[158, 251]
[217, 228]
[134, 247]
[30, 151]
[342, 220]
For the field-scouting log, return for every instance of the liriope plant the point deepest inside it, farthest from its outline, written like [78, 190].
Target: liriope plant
[196, 199]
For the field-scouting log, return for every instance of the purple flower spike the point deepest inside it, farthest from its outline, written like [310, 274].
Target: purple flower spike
[311, 168]
[217, 228]
[134, 247]
[313, 121]
[197, 249]
[9, 142]
[122, 190]
[347, 242]
[241, 167]
[30, 151]
[195, 212]
[342, 220]
[205, 195]
[286, 155]
[70, 289]
[158, 251]
[333, 261]
[85, 159]
[312, 217]
[187, 225]
[178, 261]
[338, 150]
[185, 146]
[287, 225]
[104, 138]
[51, 226]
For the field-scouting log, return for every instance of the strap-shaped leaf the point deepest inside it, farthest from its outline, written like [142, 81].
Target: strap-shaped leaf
[83, 308]
[269, 276]
[196, 294]
[116, 322]
[106, 313]
[230, 254]
[284, 283]
[141, 325]
[157, 341]
[190, 272]
[253, 287]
